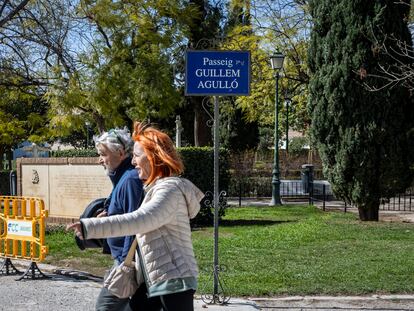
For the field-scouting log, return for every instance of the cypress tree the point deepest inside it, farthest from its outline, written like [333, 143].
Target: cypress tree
[365, 138]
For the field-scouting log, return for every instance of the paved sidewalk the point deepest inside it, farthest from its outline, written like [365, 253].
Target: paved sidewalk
[65, 293]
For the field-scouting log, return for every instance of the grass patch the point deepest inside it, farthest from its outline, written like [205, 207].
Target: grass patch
[285, 251]
[301, 250]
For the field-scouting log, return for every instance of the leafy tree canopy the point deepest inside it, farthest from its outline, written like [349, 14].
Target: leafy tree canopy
[22, 117]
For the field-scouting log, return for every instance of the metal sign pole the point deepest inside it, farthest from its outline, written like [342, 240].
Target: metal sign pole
[216, 197]
[216, 73]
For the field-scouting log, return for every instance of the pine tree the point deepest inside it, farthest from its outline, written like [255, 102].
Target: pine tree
[363, 137]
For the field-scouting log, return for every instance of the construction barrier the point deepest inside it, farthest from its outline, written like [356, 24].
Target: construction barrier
[22, 229]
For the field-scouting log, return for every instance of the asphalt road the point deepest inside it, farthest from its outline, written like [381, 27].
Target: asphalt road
[57, 293]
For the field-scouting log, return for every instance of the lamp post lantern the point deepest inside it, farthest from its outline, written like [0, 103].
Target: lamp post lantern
[276, 61]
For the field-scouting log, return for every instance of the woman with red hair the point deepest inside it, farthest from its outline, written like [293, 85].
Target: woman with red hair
[165, 261]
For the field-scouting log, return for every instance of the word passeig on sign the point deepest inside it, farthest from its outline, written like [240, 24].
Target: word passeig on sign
[224, 73]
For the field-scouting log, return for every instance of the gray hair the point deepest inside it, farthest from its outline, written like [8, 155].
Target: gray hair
[116, 139]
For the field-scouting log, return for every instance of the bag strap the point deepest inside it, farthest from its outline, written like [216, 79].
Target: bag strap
[131, 252]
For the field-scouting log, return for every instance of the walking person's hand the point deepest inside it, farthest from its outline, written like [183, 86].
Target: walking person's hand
[77, 228]
[102, 214]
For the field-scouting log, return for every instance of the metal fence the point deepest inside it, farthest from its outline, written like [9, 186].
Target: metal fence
[321, 191]
[262, 187]
[257, 187]
[318, 191]
[401, 202]
[290, 190]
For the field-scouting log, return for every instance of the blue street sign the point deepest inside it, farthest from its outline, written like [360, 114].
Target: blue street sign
[225, 73]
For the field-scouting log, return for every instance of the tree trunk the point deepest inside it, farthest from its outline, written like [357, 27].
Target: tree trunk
[100, 122]
[202, 132]
[2, 149]
[369, 212]
[10, 159]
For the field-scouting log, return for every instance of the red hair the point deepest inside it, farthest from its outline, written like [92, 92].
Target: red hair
[160, 151]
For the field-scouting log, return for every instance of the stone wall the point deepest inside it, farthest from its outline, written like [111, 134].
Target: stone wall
[67, 185]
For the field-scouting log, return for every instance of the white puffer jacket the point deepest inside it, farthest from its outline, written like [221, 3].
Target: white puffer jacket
[162, 226]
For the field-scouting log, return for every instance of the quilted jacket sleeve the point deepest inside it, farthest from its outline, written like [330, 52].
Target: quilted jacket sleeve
[158, 211]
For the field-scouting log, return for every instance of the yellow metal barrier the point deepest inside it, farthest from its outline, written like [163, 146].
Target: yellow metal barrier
[22, 228]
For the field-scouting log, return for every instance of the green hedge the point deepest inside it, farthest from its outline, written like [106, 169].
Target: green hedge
[74, 153]
[199, 168]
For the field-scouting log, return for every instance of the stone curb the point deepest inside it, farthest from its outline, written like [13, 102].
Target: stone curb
[337, 298]
[79, 275]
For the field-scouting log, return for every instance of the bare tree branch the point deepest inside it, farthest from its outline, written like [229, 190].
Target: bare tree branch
[13, 12]
[401, 72]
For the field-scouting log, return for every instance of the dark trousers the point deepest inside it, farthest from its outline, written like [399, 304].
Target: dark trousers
[182, 301]
[108, 302]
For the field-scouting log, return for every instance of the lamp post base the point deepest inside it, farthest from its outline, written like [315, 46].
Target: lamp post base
[275, 202]
[275, 194]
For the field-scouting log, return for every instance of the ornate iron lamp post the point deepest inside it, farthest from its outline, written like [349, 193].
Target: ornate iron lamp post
[276, 61]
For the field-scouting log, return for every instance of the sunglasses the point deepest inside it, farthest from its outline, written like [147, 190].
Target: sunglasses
[112, 131]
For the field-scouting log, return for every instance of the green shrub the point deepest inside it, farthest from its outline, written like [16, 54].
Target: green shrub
[199, 168]
[74, 153]
[296, 145]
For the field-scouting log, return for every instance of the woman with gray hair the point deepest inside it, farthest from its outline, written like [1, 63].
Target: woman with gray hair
[115, 155]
